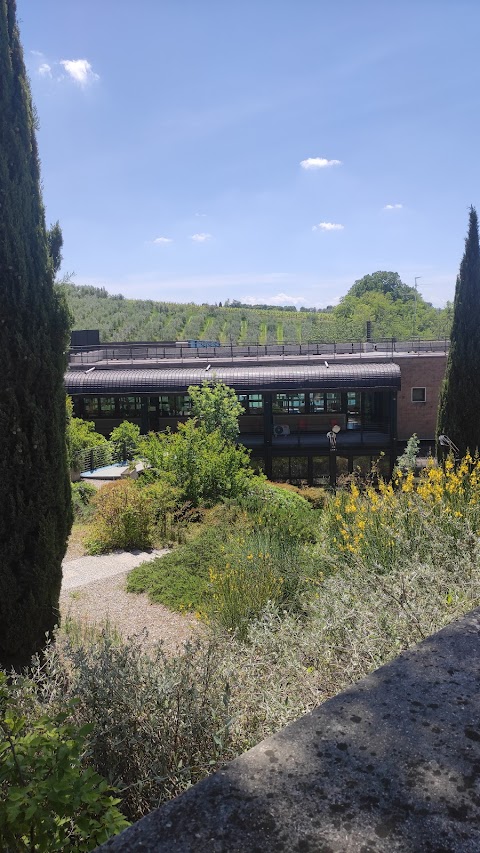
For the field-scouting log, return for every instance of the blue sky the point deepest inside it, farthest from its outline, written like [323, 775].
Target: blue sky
[262, 151]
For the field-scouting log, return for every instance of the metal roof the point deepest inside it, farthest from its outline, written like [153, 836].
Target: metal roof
[293, 377]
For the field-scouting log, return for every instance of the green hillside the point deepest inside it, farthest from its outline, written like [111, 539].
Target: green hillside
[394, 311]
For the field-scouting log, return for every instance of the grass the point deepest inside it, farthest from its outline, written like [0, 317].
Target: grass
[76, 542]
[180, 580]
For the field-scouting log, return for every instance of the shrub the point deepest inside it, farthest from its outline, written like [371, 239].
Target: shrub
[315, 495]
[81, 436]
[48, 799]
[408, 459]
[256, 569]
[158, 724]
[82, 494]
[124, 518]
[383, 526]
[205, 466]
[280, 510]
[180, 580]
[162, 501]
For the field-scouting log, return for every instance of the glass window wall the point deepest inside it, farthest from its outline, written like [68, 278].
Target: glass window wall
[288, 404]
[252, 403]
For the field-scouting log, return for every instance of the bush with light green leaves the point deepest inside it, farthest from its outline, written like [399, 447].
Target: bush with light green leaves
[49, 799]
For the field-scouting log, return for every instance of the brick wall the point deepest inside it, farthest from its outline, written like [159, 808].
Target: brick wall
[419, 371]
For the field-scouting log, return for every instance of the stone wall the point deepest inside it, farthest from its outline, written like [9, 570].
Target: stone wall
[391, 765]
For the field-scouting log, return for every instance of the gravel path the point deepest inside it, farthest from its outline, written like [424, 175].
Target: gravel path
[93, 591]
[84, 570]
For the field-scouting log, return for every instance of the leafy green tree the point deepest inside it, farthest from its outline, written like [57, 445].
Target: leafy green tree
[382, 282]
[216, 407]
[35, 499]
[81, 435]
[205, 466]
[459, 408]
[125, 440]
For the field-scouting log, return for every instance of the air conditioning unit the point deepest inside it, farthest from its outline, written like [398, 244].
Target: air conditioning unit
[281, 429]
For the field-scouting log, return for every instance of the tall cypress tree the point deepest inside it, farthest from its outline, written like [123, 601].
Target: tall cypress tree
[35, 511]
[459, 409]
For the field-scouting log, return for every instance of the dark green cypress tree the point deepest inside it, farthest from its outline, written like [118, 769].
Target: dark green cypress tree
[459, 409]
[35, 510]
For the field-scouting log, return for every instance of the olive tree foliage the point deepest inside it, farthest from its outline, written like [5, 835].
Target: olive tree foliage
[459, 408]
[216, 407]
[35, 495]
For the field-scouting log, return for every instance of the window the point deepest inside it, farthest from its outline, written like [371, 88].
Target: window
[183, 404]
[166, 403]
[289, 404]
[174, 405]
[419, 395]
[107, 407]
[252, 403]
[334, 401]
[130, 407]
[90, 407]
[317, 402]
[329, 401]
[353, 402]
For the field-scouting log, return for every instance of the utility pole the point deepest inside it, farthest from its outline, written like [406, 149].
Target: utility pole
[415, 307]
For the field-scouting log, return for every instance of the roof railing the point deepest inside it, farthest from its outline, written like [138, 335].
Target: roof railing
[127, 353]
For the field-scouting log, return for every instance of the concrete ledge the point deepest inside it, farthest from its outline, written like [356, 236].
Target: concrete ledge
[391, 764]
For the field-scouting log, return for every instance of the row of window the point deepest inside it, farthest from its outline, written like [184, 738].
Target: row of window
[178, 405]
[295, 468]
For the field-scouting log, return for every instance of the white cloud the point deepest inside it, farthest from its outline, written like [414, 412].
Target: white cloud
[328, 226]
[319, 163]
[201, 215]
[393, 207]
[80, 71]
[45, 69]
[200, 238]
[162, 241]
[279, 299]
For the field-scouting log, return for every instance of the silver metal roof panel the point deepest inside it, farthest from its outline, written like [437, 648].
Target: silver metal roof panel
[294, 377]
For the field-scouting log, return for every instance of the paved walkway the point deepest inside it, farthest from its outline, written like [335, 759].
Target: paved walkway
[84, 570]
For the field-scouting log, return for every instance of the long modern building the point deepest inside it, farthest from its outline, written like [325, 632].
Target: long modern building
[371, 396]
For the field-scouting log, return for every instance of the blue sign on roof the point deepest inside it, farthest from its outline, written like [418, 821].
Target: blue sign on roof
[203, 344]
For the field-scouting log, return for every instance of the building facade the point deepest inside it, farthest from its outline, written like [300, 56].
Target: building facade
[371, 398]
